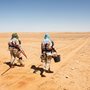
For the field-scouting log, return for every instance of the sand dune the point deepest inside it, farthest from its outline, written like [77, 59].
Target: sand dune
[71, 73]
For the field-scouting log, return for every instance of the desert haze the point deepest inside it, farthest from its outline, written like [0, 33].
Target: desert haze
[71, 73]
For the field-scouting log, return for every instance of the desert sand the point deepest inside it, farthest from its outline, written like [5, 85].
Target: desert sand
[71, 73]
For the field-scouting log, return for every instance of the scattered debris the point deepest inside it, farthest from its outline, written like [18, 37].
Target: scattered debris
[67, 76]
[72, 68]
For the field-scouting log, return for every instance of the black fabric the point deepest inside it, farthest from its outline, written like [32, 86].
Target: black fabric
[48, 50]
[20, 58]
[16, 47]
[45, 50]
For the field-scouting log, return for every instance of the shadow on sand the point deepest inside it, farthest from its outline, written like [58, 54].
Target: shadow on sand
[9, 64]
[38, 69]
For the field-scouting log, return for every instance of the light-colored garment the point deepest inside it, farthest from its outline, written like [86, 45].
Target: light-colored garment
[14, 51]
[47, 61]
[14, 41]
[47, 41]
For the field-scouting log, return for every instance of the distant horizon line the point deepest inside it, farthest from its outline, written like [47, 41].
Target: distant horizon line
[45, 32]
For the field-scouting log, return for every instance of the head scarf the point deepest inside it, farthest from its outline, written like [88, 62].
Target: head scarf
[15, 35]
[46, 36]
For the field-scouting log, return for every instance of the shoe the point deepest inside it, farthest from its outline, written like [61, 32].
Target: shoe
[43, 75]
[49, 71]
[11, 65]
[34, 71]
[22, 65]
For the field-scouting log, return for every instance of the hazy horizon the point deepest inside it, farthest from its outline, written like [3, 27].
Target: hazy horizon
[44, 16]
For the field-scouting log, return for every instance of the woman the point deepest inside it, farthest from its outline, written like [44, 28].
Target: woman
[47, 50]
[14, 46]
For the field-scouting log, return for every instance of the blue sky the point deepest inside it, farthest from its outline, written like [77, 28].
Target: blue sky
[45, 15]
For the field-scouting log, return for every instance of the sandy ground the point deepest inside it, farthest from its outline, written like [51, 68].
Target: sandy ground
[71, 73]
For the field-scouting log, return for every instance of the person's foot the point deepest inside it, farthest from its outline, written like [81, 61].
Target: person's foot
[34, 71]
[43, 75]
[22, 65]
[11, 65]
[49, 71]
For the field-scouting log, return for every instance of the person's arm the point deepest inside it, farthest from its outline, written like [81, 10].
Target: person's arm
[52, 43]
[19, 42]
